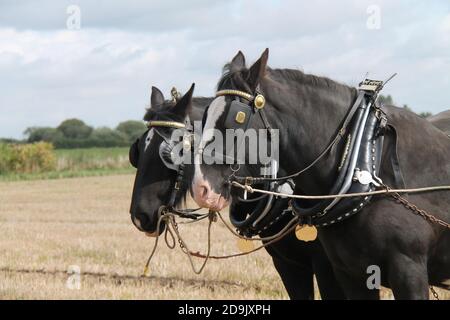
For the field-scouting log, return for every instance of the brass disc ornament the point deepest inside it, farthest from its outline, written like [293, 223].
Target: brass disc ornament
[306, 233]
[260, 101]
[245, 245]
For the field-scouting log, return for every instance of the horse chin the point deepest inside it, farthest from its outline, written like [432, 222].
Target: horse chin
[220, 204]
[152, 234]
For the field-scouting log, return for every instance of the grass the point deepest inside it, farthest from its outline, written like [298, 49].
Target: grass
[47, 226]
[81, 163]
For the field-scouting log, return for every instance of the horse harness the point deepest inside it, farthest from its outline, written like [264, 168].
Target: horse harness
[170, 160]
[364, 128]
[242, 110]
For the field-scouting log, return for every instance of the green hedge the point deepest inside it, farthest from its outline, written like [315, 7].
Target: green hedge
[75, 134]
[27, 158]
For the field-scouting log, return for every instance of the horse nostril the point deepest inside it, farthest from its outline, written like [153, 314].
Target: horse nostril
[204, 192]
[137, 222]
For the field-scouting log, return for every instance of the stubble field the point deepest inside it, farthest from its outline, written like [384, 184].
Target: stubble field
[49, 227]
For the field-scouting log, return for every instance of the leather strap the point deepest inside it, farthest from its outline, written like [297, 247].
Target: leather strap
[348, 118]
[395, 163]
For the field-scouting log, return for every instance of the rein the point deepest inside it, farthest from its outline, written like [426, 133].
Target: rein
[172, 231]
[386, 191]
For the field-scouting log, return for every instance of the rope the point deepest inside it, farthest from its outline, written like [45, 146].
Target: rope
[334, 196]
[270, 240]
[185, 248]
[158, 226]
[172, 232]
[296, 174]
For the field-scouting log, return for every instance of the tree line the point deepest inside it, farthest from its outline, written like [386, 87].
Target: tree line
[74, 133]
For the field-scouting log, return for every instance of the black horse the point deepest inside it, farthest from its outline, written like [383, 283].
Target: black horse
[410, 252]
[296, 261]
[155, 181]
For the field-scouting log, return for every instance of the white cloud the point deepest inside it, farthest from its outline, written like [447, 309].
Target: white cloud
[103, 72]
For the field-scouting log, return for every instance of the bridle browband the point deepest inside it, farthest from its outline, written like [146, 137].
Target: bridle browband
[166, 124]
[232, 92]
[258, 101]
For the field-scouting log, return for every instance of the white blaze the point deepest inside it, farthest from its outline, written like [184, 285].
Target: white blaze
[216, 109]
[148, 139]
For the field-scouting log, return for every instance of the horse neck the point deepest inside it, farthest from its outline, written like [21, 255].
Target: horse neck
[308, 118]
[199, 105]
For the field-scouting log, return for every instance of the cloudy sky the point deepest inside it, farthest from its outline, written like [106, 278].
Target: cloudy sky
[102, 72]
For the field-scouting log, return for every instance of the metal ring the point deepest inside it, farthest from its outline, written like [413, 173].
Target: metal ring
[238, 167]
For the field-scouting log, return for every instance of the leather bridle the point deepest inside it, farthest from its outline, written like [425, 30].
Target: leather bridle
[167, 157]
[251, 221]
[165, 153]
[241, 115]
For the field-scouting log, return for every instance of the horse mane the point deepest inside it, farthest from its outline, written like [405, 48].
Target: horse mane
[232, 78]
[159, 110]
[162, 111]
[307, 79]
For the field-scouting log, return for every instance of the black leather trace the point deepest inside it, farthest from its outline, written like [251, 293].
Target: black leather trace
[368, 159]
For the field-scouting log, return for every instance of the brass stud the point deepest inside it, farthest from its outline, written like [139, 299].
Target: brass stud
[240, 117]
[260, 101]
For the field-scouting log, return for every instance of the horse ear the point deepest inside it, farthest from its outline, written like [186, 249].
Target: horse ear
[157, 98]
[238, 62]
[184, 105]
[258, 70]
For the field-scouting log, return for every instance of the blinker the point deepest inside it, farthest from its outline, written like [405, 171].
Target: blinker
[238, 116]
